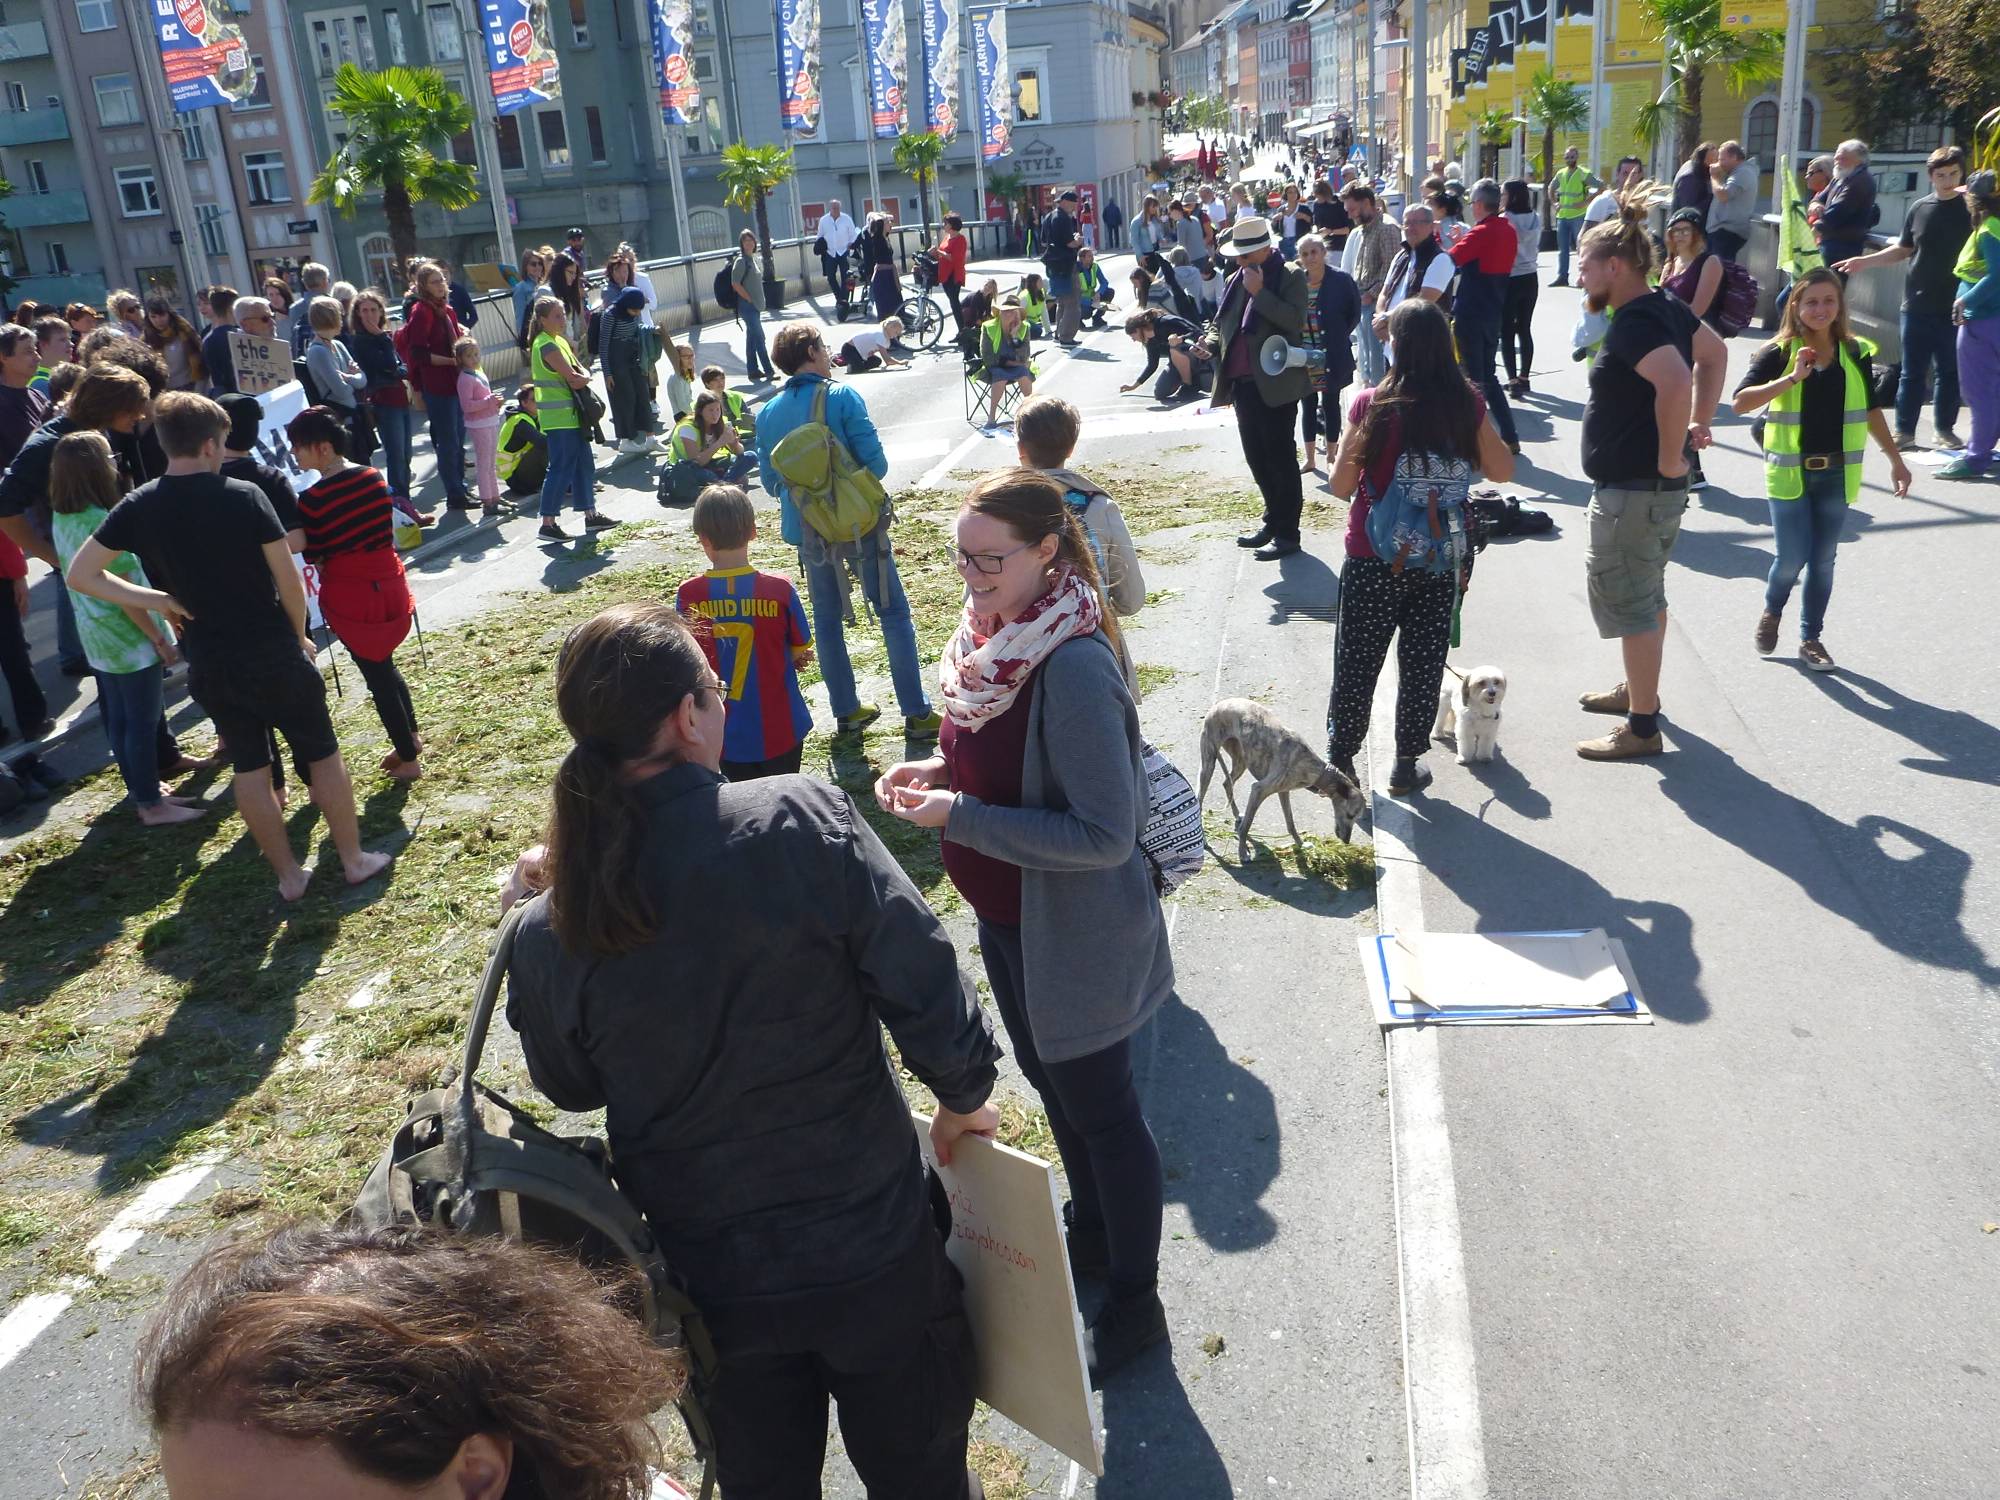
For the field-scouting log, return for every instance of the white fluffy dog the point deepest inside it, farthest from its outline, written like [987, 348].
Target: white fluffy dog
[1469, 710]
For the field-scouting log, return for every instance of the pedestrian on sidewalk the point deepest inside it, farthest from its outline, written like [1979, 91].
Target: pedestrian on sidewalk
[1610, 203]
[240, 461]
[388, 390]
[837, 234]
[1422, 271]
[174, 339]
[1114, 221]
[1934, 230]
[760, 1134]
[1039, 791]
[1524, 288]
[22, 411]
[1045, 440]
[802, 354]
[1977, 313]
[746, 279]
[314, 281]
[1692, 185]
[430, 333]
[1653, 388]
[533, 281]
[1185, 231]
[1148, 230]
[953, 248]
[1485, 256]
[878, 268]
[481, 405]
[1263, 297]
[1848, 210]
[1370, 250]
[220, 566]
[1331, 219]
[1817, 382]
[1425, 423]
[621, 353]
[337, 378]
[554, 377]
[1569, 190]
[1333, 308]
[1060, 239]
[216, 354]
[1732, 211]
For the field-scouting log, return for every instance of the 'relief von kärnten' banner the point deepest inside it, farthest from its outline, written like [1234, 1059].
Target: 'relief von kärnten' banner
[888, 47]
[941, 67]
[205, 59]
[520, 54]
[673, 60]
[989, 62]
[798, 65]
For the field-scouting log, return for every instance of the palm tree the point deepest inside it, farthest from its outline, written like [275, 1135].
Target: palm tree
[917, 157]
[1010, 188]
[1555, 106]
[400, 126]
[1696, 41]
[749, 175]
[1495, 127]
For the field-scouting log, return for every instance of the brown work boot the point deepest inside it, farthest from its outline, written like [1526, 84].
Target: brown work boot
[1816, 656]
[1620, 744]
[1767, 633]
[1614, 702]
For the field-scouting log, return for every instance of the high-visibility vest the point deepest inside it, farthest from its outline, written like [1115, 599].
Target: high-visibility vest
[1784, 476]
[555, 402]
[1572, 192]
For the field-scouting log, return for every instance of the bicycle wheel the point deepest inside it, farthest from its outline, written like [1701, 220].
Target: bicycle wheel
[923, 321]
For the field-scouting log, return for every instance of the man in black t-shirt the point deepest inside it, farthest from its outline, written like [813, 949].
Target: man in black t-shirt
[239, 461]
[1934, 231]
[217, 552]
[1652, 390]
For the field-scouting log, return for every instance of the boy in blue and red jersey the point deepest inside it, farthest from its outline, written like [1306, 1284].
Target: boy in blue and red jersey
[757, 639]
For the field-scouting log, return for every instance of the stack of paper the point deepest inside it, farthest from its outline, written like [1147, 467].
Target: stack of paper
[1569, 976]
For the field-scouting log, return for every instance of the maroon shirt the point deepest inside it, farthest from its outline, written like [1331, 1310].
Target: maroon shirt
[987, 765]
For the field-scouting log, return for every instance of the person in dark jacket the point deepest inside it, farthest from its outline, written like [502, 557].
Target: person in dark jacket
[1850, 210]
[1060, 237]
[1692, 187]
[1169, 340]
[712, 963]
[1333, 308]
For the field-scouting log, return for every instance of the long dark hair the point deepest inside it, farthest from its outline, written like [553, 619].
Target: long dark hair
[1031, 505]
[1518, 201]
[1425, 405]
[620, 675]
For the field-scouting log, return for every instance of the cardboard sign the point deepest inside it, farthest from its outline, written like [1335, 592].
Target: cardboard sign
[274, 448]
[261, 364]
[1007, 1242]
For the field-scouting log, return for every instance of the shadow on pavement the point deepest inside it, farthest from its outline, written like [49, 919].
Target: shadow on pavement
[1505, 784]
[1217, 1125]
[1965, 746]
[1911, 903]
[1154, 1443]
[1305, 586]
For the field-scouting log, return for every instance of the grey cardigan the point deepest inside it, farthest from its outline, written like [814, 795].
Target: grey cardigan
[1093, 940]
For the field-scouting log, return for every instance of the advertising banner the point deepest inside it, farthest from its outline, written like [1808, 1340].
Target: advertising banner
[887, 43]
[996, 94]
[798, 65]
[206, 60]
[1754, 15]
[1574, 40]
[520, 54]
[941, 67]
[673, 60]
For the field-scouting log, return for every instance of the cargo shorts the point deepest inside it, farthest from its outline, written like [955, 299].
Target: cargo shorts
[1631, 533]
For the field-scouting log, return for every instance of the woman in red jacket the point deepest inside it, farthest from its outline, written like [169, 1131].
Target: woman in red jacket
[951, 264]
[430, 335]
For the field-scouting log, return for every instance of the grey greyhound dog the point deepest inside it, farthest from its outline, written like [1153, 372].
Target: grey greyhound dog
[1279, 762]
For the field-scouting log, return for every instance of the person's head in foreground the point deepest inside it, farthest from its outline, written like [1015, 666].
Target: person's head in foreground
[329, 1364]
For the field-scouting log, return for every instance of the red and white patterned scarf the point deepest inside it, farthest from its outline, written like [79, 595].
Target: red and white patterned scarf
[981, 674]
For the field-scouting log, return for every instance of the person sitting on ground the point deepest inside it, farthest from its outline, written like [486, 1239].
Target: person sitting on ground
[706, 437]
[1092, 287]
[680, 382]
[734, 408]
[869, 349]
[1033, 299]
[373, 1362]
[977, 308]
[1148, 291]
[1004, 356]
[1175, 342]
[363, 593]
[1045, 436]
[128, 649]
[220, 554]
[768, 721]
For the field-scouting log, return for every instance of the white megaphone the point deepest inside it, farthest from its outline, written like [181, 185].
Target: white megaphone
[1279, 356]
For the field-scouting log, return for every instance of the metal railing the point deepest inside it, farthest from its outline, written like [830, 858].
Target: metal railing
[1874, 297]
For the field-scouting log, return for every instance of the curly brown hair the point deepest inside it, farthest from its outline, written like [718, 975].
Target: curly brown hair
[394, 1346]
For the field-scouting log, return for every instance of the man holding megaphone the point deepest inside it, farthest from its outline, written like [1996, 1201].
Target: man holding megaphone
[1262, 298]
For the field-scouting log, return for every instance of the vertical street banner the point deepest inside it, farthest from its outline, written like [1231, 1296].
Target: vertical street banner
[673, 60]
[1576, 35]
[887, 43]
[520, 54]
[996, 98]
[798, 65]
[206, 60]
[1532, 24]
[941, 67]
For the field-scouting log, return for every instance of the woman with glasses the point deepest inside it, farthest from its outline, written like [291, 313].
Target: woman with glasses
[533, 281]
[768, 1147]
[1333, 308]
[1039, 791]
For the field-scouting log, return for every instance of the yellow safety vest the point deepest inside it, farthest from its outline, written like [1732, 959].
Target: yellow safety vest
[555, 402]
[1572, 193]
[1784, 475]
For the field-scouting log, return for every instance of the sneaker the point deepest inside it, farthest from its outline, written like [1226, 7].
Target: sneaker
[552, 532]
[1906, 441]
[1124, 1329]
[1946, 438]
[1613, 702]
[633, 445]
[859, 720]
[1767, 633]
[922, 726]
[1408, 775]
[592, 521]
[1089, 1248]
[1816, 656]
[1560, 281]
[1959, 468]
[1620, 744]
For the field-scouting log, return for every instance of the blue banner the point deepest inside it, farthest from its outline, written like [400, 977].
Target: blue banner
[887, 44]
[206, 60]
[673, 61]
[996, 92]
[520, 54]
[798, 65]
[941, 67]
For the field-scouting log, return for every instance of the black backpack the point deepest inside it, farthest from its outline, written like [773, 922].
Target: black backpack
[725, 289]
[466, 1161]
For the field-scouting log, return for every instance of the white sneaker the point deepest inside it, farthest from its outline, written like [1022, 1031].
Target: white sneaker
[633, 445]
[656, 443]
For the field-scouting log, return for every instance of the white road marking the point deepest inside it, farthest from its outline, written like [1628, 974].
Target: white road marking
[935, 474]
[1440, 1372]
[31, 1317]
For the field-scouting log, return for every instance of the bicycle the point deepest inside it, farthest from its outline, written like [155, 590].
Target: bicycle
[923, 319]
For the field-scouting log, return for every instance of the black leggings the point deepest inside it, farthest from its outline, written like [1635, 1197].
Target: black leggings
[1414, 607]
[1517, 323]
[392, 702]
[1107, 1148]
[1320, 412]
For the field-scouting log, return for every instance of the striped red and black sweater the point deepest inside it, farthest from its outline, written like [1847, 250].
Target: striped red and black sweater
[347, 512]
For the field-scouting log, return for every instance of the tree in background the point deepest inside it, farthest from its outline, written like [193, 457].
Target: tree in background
[749, 175]
[1895, 70]
[1696, 44]
[1556, 106]
[1494, 127]
[400, 126]
[1011, 188]
[1965, 50]
[917, 158]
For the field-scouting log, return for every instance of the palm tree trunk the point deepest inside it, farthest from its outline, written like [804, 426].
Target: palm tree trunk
[402, 221]
[924, 207]
[764, 237]
[1548, 169]
[1690, 131]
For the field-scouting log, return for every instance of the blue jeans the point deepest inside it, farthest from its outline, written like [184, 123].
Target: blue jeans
[1928, 337]
[756, 357]
[128, 705]
[572, 471]
[1373, 364]
[448, 443]
[892, 608]
[1807, 531]
[394, 428]
[1567, 231]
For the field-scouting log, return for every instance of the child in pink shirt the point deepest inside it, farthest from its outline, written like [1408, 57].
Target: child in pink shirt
[481, 406]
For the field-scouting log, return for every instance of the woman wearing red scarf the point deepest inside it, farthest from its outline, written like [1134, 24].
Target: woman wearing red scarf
[1040, 792]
